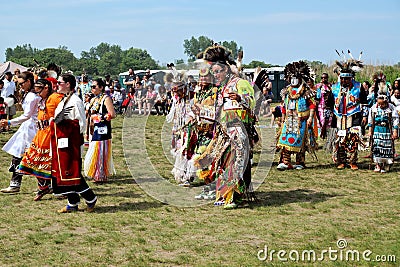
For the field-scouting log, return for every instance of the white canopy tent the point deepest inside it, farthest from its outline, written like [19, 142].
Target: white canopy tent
[11, 66]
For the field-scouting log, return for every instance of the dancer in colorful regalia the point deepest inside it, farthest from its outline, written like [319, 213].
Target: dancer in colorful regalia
[296, 134]
[182, 132]
[37, 159]
[350, 111]
[231, 145]
[383, 124]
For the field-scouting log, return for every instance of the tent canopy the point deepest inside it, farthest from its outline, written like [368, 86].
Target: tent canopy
[11, 66]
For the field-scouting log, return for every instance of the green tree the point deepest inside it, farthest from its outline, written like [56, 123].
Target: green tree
[60, 56]
[194, 46]
[137, 59]
[23, 55]
[255, 64]
[233, 47]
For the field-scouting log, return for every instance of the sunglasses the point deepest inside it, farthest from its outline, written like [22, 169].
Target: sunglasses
[59, 82]
[93, 86]
[218, 71]
[22, 83]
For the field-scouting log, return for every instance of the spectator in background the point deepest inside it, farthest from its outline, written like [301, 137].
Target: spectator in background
[9, 85]
[396, 85]
[15, 77]
[161, 101]
[265, 109]
[3, 113]
[366, 85]
[1, 86]
[146, 82]
[84, 86]
[140, 95]
[395, 98]
[148, 73]
[149, 100]
[130, 80]
[277, 115]
[108, 81]
[7, 92]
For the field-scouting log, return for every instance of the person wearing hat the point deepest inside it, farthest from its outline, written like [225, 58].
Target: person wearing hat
[383, 121]
[22, 139]
[350, 111]
[37, 159]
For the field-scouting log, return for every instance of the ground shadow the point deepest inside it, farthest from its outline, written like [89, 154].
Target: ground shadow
[279, 198]
[128, 206]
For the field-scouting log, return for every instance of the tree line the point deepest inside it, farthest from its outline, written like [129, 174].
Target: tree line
[111, 59]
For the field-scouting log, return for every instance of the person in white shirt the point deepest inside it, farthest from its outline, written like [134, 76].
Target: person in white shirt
[9, 85]
[7, 91]
[22, 139]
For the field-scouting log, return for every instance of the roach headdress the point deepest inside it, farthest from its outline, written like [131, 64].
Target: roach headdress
[299, 69]
[348, 66]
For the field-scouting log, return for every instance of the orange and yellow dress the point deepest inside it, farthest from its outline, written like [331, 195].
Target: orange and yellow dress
[37, 159]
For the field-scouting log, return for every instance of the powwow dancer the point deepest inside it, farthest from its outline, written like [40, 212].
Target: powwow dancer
[181, 130]
[22, 139]
[231, 144]
[204, 113]
[67, 131]
[37, 159]
[296, 134]
[98, 164]
[349, 113]
[383, 121]
[324, 102]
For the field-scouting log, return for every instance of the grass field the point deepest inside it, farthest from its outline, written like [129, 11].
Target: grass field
[317, 209]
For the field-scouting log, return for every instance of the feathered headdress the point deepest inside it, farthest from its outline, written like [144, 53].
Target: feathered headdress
[260, 77]
[218, 53]
[299, 69]
[348, 66]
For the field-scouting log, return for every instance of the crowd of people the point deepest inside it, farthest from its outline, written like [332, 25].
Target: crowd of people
[213, 121]
[52, 129]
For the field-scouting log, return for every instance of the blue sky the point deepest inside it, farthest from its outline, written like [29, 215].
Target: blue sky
[276, 32]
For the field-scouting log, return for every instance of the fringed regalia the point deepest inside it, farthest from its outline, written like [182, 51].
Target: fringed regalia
[182, 135]
[236, 118]
[295, 136]
[98, 164]
[383, 121]
[325, 101]
[349, 112]
[204, 133]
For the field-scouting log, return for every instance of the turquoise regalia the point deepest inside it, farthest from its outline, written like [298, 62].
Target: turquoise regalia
[294, 129]
[347, 104]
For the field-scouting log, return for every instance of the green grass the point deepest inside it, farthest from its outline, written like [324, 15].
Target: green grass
[297, 210]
